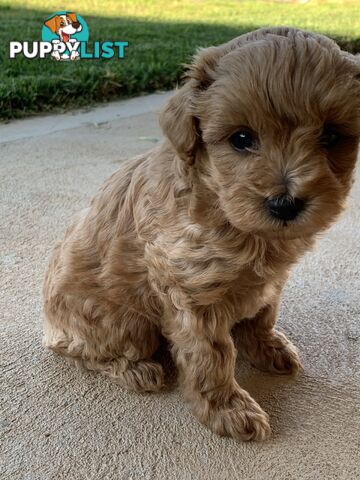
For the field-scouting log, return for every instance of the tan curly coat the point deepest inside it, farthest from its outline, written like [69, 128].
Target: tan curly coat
[178, 243]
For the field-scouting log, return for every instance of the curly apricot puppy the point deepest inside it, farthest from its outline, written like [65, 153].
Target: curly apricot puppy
[200, 233]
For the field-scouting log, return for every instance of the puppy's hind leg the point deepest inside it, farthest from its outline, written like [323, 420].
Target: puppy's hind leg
[139, 376]
[120, 348]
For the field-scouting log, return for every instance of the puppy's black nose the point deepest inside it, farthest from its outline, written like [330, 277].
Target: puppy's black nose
[285, 207]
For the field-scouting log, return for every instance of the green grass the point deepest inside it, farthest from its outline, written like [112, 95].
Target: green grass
[162, 35]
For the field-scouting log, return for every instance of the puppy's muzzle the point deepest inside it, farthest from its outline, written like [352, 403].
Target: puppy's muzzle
[284, 207]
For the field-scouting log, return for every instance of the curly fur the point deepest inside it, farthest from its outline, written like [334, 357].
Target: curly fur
[177, 243]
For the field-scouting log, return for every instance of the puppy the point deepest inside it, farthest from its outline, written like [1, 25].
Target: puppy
[200, 233]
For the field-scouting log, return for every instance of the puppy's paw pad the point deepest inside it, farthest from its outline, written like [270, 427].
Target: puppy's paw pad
[277, 354]
[285, 361]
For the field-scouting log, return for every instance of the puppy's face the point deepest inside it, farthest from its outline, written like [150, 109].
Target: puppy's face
[279, 120]
[64, 25]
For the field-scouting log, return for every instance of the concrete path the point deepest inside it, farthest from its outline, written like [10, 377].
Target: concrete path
[58, 423]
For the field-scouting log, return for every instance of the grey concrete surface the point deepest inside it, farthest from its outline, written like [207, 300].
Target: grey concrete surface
[60, 423]
[97, 116]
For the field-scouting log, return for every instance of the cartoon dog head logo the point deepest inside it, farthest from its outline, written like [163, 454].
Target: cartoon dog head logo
[68, 28]
[64, 25]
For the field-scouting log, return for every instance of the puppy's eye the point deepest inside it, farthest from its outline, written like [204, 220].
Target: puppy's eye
[243, 140]
[330, 138]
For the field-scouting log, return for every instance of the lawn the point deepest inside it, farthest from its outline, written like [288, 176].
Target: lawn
[161, 34]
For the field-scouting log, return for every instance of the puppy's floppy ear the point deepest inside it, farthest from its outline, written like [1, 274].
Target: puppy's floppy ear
[178, 119]
[72, 17]
[52, 24]
[179, 124]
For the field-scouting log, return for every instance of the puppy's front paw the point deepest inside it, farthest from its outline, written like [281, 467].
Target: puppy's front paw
[275, 353]
[240, 418]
